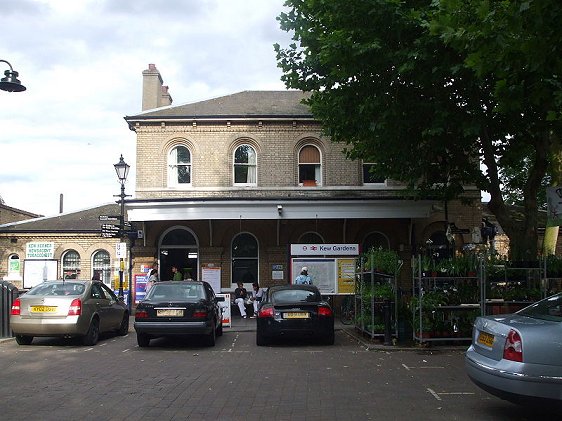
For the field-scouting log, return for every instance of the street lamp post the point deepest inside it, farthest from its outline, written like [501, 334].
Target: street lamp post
[10, 80]
[122, 170]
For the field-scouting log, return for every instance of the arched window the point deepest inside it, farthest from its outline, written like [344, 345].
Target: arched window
[245, 259]
[245, 168]
[179, 166]
[101, 266]
[375, 240]
[439, 245]
[71, 265]
[14, 266]
[311, 238]
[310, 167]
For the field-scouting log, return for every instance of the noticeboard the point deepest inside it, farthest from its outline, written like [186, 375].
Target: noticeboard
[37, 271]
[331, 276]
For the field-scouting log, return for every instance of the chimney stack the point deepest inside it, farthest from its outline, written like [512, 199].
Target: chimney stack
[154, 93]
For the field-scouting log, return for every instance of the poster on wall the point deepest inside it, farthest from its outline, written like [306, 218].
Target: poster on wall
[212, 275]
[321, 271]
[346, 276]
[37, 271]
[140, 286]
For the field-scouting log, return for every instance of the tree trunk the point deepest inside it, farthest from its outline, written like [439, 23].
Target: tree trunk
[551, 233]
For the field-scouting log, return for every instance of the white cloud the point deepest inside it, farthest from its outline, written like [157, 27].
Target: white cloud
[82, 64]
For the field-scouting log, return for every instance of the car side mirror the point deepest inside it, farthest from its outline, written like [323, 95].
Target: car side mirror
[121, 299]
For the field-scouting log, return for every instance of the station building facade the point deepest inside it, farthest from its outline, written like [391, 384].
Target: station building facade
[227, 186]
[232, 182]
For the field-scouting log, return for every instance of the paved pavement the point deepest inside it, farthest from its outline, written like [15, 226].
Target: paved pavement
[249, 325]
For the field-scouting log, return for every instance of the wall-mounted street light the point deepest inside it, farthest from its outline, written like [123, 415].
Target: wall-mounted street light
[122, 170]
[10, 82]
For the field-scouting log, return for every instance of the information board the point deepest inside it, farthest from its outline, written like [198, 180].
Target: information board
[37, 271]
[212, 275]
[331, 276]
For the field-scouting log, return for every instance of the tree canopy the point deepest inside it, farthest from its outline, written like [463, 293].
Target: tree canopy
[419, 86]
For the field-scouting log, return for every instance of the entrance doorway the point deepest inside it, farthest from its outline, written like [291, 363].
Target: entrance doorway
[179, 248]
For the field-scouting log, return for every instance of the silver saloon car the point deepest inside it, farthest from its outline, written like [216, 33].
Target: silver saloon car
[518, 357]
[68, 309]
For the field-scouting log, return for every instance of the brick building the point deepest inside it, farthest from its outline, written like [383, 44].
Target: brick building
[232, 182]
[226, 186]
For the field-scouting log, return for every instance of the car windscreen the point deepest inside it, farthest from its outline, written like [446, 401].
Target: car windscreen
[176, 292]
[547, 309]
[57, 289]
[285, 296]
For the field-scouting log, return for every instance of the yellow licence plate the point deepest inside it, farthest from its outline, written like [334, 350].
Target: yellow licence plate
[486, 339]
[43, 309]
[169, 313]
[296, 315]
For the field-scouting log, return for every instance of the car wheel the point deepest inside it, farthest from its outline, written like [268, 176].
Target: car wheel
[24, 340]
[212, 338]
[93, 334]
[124, 327]
[143, 340]
[329, 339]
[261, 340]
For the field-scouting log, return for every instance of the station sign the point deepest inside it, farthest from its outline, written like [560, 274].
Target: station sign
[109, 218]
[324, 249]
[110, 231]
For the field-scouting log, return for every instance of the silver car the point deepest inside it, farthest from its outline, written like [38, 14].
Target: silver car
[68, 309]
[518, 357]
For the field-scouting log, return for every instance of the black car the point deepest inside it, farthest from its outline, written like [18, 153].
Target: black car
[294, 310]
[177, 308]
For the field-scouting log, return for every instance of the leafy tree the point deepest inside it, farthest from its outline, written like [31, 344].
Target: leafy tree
[429, 90]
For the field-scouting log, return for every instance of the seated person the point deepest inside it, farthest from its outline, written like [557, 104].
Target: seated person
[240, 295]
[256, 298]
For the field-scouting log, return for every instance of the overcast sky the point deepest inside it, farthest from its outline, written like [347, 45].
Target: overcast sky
[82, 63]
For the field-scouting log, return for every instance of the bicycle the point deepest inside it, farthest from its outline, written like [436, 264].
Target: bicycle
[347, 310]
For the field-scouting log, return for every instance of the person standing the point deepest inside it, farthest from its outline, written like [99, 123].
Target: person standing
[240, 295]
[152, 279]
[176, 274]
[303, 278]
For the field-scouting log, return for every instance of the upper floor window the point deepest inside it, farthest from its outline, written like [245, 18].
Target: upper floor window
[369, 177]
[310, 167]
[179, 166]
[245, 169]
[71, 265]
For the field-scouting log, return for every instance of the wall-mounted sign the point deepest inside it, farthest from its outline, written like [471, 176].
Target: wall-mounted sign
[40, 250]
[324, 249]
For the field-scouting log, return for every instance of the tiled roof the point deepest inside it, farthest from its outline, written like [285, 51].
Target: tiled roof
[243, 104]
[80, 221]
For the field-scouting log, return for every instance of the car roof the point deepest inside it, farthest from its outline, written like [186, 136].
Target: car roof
[181, 282]
[293, 286]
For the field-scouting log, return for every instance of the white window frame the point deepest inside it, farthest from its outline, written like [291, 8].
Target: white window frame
[173, 166]
[317, 166]
[252, 179]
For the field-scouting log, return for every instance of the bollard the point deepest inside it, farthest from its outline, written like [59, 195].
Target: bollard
[8, 293]
[387, 327]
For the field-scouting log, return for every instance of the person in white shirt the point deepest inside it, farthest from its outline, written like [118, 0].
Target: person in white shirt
[256, 298]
